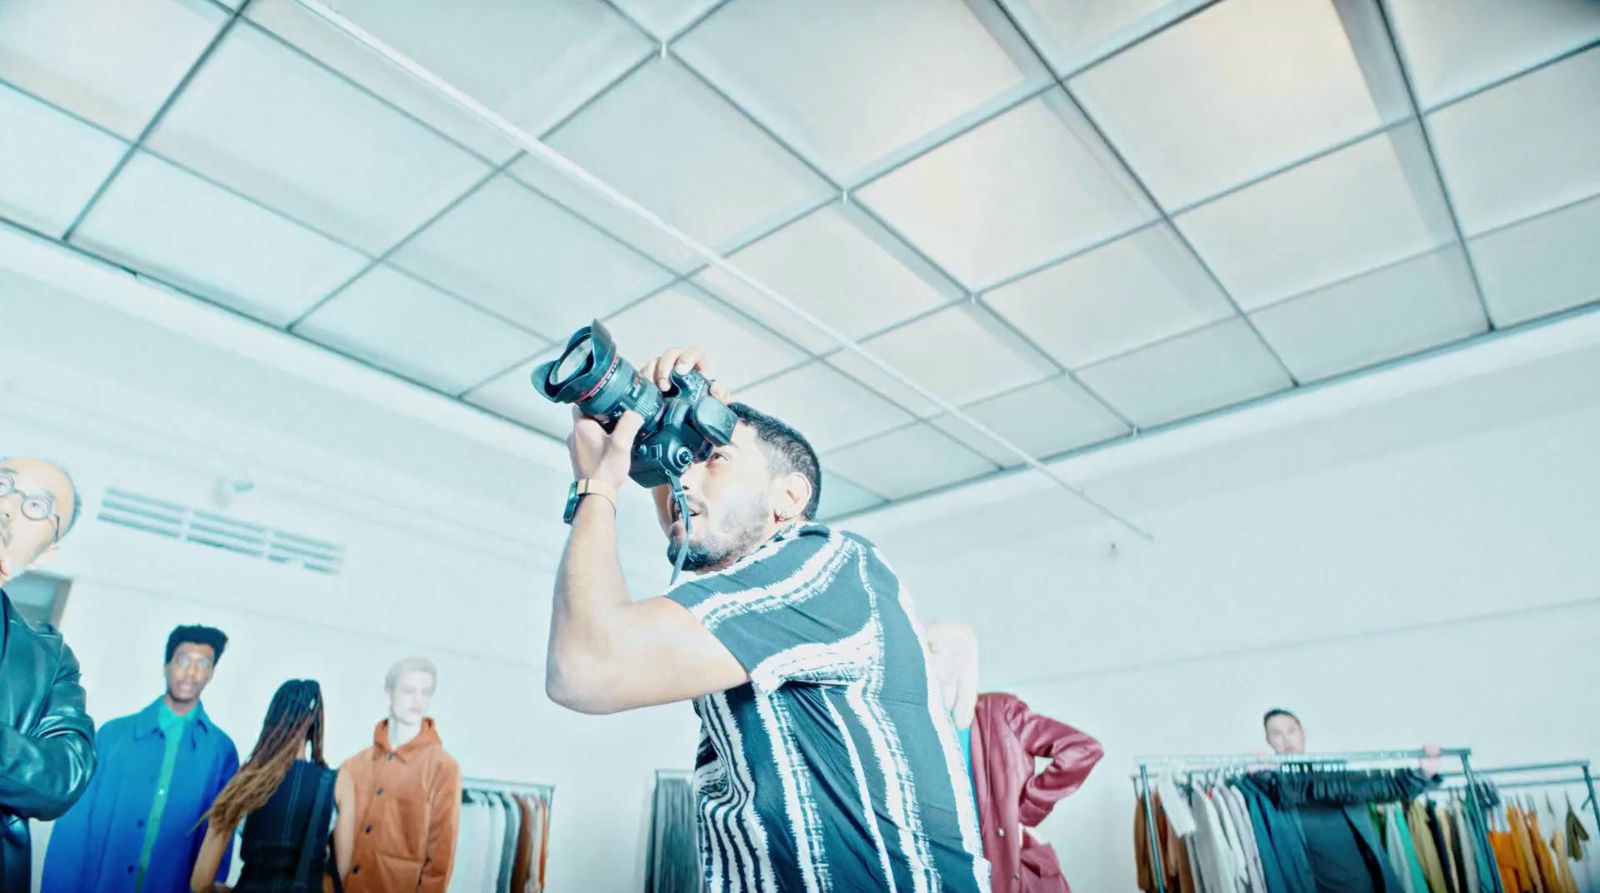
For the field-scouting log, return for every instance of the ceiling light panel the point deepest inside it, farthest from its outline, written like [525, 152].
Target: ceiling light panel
[1240, 89]
[1028, 187]
[1071, 35]
[1184, 376]
[1129, 293]
[1391, 312]
[841, 496]
[1344, 213]
[113, 62]
[960, 353]
[669, 142]
[737, 350]
[821, 75]
[911, 460]
[531, 63]
[511, 250]
[512, 395]
[396, 322]
[53, 162]
[1454, 48]
[828, 407]
[1526, 146]
[1542, 265]
[839, 265]
[1044, 419]
[161, 220]
[278, 127]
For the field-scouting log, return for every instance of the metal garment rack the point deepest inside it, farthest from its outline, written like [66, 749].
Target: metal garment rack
[546, 792]
[1246, 762]
[1582, 776]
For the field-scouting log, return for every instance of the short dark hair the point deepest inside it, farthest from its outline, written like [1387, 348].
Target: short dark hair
[197, 635]
[787, 448]
[1279, 711]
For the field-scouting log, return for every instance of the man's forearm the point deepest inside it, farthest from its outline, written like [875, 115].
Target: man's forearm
[590, 594]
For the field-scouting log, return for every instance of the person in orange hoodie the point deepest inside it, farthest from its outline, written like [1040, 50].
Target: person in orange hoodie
[401, 835]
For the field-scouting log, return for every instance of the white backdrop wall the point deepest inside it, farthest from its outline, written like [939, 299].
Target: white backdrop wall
[1420, 570]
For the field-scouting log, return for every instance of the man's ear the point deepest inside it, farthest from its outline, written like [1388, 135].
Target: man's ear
[794, 497]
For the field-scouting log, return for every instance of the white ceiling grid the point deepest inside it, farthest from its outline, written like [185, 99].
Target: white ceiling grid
[1076, 221]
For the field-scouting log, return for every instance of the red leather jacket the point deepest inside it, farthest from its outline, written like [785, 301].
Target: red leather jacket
[1006, 736]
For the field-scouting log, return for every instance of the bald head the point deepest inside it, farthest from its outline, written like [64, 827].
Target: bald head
[40, 506]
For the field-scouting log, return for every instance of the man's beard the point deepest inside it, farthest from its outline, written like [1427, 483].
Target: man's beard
[740, 535]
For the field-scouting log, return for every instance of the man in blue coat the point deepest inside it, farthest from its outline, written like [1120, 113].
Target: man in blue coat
[135, 829]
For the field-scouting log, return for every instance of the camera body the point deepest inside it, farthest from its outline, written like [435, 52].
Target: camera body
[680, 427]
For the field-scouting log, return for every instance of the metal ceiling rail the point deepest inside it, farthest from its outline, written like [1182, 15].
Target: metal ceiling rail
[538, 149]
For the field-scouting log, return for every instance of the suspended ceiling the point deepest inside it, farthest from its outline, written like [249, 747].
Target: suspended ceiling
[1077, 221]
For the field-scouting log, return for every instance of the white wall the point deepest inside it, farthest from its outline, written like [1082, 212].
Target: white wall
[1418, 570]
[451, 546]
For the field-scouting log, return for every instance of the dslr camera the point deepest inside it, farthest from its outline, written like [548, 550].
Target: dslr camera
[681, 427]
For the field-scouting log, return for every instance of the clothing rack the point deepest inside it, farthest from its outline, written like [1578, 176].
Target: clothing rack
[1223, 762]
[517, 847]
[1582, 776]
[546, 791]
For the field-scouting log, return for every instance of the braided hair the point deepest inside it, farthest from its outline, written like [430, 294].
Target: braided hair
[294, 719]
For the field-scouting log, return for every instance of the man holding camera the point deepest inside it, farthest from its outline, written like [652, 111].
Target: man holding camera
[827, 759]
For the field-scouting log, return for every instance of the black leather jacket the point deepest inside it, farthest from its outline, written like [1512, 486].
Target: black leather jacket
[46, 739]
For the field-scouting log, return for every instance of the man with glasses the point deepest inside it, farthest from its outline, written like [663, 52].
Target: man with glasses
[137, 828]
[46, 738]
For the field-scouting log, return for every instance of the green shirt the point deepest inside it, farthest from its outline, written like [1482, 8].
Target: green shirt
[172, 728]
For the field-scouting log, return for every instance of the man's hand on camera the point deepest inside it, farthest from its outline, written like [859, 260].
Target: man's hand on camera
[681, 360]
[600, 455]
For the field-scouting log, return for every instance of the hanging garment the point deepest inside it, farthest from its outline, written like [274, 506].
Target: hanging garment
[1240, 815]
[464, 879]
[408, 812]
[1441, 845]
[1422, 838]
[1529, 863]
[544, 839]
[1505, 861]
[1146, 861]
[1395, 848]
[1282, 845]
[1239, 863]
[1466, 850]
[1544, 860]
[1482, 862]
[508, 855]
[1210, 847]
[1336, 852]
[1408, 845]
[1577, 835]
[1176, 806]
[285, 844]
[672, 862]
[1006, 739]
[1558, 842]
[525, 829]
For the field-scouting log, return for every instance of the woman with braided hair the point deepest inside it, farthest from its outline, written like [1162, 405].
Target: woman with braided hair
[285, 800]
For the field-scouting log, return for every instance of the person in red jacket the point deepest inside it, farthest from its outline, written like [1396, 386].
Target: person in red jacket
[1006, 737]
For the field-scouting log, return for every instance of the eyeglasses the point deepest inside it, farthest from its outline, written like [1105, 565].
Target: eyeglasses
[35, 506]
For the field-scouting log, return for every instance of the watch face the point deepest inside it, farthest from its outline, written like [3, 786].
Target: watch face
[572, 503]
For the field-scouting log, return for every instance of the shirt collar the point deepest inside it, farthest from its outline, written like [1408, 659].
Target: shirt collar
[148, 720]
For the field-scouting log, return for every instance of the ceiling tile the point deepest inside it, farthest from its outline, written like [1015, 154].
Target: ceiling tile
[111, 61]
[513, 396]
[1523, 147]
[913, 459]
[841, 497]
[1454, 48]
[1344, 213]
[161, 220]
[665, 18]
[1235, 91]
[839, 265]
[669, 142]
[1129, 293]
[1541, 265]
[52, 162]
[961, 354]
[825, 405]
[1044, 419]
[532, 63]
[279, 128]
[737, 350]
[309, 33]
[1029, 186]
[1391, 312]
[1073, 33]
[956, 63]
[398, 323]
[1188, 375]
[510, 250]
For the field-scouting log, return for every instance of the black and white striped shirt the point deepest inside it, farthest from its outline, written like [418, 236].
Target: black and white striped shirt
[836, 768]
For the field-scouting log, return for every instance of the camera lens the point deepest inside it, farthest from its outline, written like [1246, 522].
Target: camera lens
[572, 363]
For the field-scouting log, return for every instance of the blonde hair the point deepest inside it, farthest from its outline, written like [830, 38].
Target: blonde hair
[409, 665]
